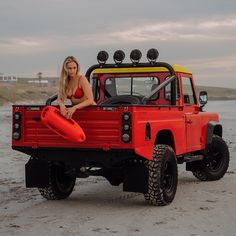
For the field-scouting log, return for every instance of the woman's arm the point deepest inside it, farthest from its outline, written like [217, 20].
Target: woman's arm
[88, 94]
[87, 99]
[62, 106]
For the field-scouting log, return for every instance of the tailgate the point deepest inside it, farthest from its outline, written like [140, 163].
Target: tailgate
[101, 125]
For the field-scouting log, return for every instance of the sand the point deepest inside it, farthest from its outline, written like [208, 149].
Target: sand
[97, 208]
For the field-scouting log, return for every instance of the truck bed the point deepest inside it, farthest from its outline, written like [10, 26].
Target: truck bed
[100, 129]
[103, 127]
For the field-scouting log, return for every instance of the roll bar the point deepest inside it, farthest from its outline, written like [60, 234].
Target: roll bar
[171, 79]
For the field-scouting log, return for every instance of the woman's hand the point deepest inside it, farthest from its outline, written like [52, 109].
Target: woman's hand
[70, 112]
[63, 110]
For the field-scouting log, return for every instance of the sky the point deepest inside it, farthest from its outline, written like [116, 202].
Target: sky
[36, 36]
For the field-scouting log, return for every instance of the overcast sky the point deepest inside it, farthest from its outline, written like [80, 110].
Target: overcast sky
[36, 36]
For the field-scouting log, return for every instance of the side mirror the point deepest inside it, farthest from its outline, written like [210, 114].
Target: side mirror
[203, 98]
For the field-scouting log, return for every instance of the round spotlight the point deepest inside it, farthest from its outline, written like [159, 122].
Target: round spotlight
[119, 56]
[152, 55]
[102, 57]
[135, 56]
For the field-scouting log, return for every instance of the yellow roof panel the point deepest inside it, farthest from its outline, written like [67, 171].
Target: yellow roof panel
[177, 68]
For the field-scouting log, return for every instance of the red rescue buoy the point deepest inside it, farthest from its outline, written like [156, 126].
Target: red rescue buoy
[66, 128]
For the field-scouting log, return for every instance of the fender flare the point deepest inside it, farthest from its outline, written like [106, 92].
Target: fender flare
[213, 127]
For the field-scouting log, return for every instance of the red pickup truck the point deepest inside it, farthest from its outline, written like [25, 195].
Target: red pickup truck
[147, 120]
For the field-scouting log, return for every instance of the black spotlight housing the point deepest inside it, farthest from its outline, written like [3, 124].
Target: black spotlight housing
[152, 55]
[119, 56]
[135, 56]
[102, 57]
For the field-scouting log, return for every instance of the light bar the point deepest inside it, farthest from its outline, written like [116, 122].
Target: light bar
[102, 57]
[135, 56]
[119, 56]
[152, 55]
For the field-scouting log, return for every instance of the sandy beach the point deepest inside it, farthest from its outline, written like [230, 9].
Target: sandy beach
[97, 208]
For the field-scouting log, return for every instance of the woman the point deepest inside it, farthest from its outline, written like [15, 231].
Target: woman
[74, 86]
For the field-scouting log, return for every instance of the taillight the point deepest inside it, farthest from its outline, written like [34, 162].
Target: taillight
[126, 135]
[16, 133]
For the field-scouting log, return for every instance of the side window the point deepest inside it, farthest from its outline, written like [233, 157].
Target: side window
[110, 89]
[188, 92]
[168, 91]
[96, 88]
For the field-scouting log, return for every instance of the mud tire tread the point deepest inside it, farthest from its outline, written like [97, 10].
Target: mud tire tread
[204, 174]
[156, 195]
[52, 192]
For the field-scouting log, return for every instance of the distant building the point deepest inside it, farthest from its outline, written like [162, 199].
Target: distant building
[45, 81]
[41, 81]
[8, 78]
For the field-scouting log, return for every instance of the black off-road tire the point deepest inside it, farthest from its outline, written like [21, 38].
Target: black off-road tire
[215, 163]
[60, 186]
[163, 176]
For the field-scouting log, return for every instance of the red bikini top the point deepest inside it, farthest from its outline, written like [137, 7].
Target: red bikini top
[79, 93]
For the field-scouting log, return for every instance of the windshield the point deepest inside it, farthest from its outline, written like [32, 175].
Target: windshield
[139, 86]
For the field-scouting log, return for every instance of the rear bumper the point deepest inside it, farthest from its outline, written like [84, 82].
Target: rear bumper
[81, 157]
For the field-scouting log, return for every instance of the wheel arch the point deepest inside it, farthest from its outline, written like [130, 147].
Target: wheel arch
[213, 128]
[165, 137]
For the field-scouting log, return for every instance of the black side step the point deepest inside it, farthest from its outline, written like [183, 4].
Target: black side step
[193, 158]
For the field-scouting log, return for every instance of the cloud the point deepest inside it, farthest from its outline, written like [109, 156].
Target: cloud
[218, 63]
[230, 22]
[23, 45]
[218, 71]
[195, 31]
[206, 45]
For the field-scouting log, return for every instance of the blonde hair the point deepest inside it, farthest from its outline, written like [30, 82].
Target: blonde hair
[64, 78]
